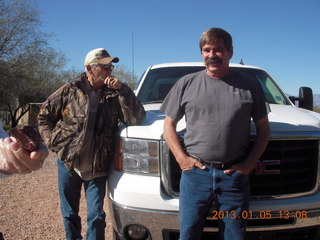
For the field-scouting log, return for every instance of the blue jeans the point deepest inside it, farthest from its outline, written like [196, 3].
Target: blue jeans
[70, 192]
[199, 188]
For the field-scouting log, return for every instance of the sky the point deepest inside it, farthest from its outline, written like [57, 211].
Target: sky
[281, 36]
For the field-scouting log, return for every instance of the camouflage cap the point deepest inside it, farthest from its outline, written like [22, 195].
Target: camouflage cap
[101, 56]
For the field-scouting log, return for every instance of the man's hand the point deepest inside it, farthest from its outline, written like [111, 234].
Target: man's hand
[243, 168]
[113, 82]
[14, 159]
[188, 163]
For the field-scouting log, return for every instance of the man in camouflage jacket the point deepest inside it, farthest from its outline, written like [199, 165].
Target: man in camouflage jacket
[79, 122]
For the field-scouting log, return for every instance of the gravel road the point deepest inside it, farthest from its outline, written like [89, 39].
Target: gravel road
[29, 206]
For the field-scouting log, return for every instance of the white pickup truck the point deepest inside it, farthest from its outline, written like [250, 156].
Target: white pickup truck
[144, 178]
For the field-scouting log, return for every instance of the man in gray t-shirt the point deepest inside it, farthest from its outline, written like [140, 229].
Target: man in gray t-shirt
[218, 106]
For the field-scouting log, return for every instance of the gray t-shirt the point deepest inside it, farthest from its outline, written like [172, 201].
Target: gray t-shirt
[217, 112]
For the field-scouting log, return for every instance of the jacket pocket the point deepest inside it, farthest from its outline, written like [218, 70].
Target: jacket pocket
[61, 137]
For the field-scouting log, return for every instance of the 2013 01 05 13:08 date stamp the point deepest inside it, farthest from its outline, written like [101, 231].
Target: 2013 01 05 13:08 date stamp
[281, 214]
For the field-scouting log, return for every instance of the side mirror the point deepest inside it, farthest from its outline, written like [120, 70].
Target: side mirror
[306, 98]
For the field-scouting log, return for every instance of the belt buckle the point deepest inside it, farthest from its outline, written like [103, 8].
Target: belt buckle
[214, 164]
[217, 165]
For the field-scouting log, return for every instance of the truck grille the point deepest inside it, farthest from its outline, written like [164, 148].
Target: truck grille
[286, 167]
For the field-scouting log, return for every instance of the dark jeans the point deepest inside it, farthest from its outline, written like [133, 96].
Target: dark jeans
[69, 190]
[199, 188]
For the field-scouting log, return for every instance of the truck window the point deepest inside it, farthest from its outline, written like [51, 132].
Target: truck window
[159, 81]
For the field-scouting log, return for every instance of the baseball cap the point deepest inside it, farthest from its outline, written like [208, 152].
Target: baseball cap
[101, 56]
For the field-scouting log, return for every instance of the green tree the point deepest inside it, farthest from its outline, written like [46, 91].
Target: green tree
[34, 82]
[29, 69]
[19, 22]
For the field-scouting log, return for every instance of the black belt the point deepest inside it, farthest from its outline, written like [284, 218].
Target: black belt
[218, 165]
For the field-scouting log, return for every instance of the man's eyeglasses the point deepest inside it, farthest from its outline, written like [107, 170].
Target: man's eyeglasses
[106, 66]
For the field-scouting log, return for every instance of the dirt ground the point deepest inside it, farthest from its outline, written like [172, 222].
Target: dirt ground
[29, 206]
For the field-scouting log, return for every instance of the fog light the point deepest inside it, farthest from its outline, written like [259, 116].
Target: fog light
[137, 232]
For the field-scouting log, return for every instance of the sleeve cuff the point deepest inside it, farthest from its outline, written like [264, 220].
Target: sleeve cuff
[124, 90]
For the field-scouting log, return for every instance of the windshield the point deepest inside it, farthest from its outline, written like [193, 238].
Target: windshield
[271, 90]
[159, 82]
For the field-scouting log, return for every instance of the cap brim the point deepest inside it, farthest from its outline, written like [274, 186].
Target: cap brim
[108, 60]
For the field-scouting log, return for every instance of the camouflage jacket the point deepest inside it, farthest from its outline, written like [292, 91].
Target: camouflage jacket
[63, 118]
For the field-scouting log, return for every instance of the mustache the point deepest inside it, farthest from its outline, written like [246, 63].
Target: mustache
[213, 60]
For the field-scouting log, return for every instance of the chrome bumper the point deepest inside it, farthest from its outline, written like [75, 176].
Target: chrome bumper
[159, 223]
[154, 221]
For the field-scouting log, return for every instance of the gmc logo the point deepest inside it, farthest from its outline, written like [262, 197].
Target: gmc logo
[267, 167]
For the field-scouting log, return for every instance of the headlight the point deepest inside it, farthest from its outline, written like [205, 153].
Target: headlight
[138, 156]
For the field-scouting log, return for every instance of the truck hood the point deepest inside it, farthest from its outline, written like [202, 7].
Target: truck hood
[152, 125]
[287, 118]
[284, 119]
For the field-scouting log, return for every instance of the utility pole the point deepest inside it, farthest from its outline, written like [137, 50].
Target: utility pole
[132, 59]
